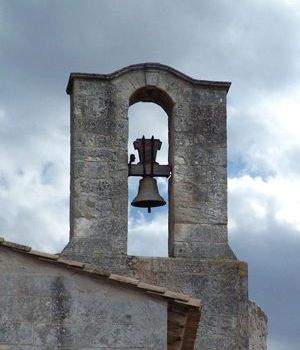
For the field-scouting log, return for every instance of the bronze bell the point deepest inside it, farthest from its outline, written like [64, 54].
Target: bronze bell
[148, 195]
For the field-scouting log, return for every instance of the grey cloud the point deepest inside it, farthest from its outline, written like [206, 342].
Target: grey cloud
[263, 142]
[273, 259]
[270, 246]
[215, 40]
[254, 44]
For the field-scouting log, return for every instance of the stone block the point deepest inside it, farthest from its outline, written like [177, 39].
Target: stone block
[202, 250]
[200, 233]
[103, 188]
[206, 156]
[114, 158]
[91, 206]
[199, 213]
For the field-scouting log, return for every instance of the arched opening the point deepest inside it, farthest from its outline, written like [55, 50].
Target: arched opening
[153, 94]
[148, 233]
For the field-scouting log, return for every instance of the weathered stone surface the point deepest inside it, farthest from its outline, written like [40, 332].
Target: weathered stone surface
[203, 249]
[99, 126]
[257, 327]
[220, 283]
[201, 262]
[201, 233]
[98, 163]
[46, 307]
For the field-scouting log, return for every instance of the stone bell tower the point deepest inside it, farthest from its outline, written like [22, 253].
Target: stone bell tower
[200, 261]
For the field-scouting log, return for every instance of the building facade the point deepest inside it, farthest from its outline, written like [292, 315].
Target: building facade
[200, 261]
[50, 303]
[93, 295]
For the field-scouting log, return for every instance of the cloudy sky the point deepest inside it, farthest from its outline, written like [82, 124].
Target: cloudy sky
[252, 43]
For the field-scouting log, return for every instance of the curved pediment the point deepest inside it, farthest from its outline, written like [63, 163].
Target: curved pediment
[158, 67]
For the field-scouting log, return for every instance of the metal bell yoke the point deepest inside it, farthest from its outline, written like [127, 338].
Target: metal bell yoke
[148, 195]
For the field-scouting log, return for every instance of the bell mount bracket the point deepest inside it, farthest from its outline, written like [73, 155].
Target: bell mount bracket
[147, 166]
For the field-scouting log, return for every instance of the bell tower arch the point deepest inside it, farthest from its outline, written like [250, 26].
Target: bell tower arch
[200, 261]
[197, 157]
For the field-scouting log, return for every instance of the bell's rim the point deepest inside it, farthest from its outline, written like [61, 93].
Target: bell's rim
[149, 203]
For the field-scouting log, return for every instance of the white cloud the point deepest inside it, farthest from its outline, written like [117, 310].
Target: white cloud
[148, 238]
[148, 119]
[265, 140]
[265, 136]
[257, 202]
[254, 44]
[34, 184]
[264, 201]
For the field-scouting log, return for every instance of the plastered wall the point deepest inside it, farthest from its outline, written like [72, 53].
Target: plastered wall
[44, 307]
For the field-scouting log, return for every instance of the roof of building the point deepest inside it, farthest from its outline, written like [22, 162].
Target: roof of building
[183, 311]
